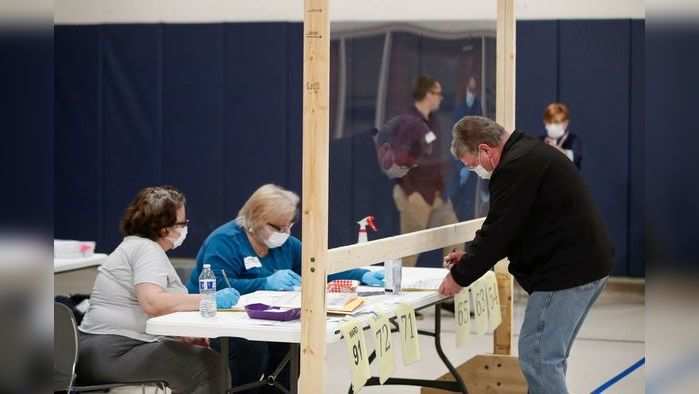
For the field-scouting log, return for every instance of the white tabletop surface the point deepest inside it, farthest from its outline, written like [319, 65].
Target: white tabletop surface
[238, 324]
[61, 265]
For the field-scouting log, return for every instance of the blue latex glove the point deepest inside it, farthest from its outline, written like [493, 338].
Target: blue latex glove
[226, 298]
[373, 278]
[283, 280]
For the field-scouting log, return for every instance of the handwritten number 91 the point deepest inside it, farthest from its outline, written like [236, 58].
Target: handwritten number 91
[357, 352]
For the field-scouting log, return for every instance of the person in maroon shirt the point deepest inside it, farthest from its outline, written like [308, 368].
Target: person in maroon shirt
[415, 161]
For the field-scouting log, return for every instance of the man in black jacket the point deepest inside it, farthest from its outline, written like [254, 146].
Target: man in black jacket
[543, 220]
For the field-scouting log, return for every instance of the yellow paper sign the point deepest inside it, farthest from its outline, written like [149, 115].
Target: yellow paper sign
[479, 304]
[410, 343]
[384, 348]
[493, 296]
[462, 314]
[356, 350]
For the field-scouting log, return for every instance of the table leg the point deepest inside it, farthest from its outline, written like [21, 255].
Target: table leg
[295, 351]
[226, 362]
[440, 351]
[454, 386]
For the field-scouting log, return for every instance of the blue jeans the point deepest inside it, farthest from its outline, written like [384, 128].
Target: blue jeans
[551, 323]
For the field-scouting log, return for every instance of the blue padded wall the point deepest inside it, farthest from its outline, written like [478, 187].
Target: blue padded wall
[131, 125]
[78, 142]
[537, 73]
[215, 110]
[594, 82]
[192, 123]
[637, 258]
[26, 151]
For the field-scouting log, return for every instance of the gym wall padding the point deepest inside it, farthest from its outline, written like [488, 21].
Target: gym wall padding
[215, 109]
[637, 133]
[27, 149]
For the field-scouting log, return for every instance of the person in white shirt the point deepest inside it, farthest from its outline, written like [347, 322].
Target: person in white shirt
[137, 282]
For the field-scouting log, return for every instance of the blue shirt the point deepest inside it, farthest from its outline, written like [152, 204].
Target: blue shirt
[226, 249]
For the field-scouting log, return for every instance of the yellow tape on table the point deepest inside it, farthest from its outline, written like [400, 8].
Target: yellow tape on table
[410, 343]
[479, 304]
[356, 350]
[462, 315]
[493, 298]
[384, 346]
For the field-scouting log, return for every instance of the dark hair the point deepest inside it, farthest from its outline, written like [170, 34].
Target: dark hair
[423, 84]
[152, 210]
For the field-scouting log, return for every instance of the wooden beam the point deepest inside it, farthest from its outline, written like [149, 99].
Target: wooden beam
[316, 124]
[505, 116]
[502, 337]
[357, 255]
[506, 60]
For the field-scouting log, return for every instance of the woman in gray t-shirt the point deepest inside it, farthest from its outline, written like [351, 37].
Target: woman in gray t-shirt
[138, 282]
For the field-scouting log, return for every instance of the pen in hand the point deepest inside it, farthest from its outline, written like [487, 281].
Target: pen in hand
[225, 277]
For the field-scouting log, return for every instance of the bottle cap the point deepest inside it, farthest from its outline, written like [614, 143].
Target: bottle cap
[207, 265]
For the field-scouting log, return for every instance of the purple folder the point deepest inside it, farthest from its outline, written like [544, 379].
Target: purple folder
[267, 312]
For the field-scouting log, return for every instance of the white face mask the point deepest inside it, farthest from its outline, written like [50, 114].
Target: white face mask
[396, 171]
[555, 130]
[480, 170]
[276, 239]
[470, 98]
[178, 241]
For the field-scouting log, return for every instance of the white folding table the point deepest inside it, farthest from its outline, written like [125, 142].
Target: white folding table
[228, 324]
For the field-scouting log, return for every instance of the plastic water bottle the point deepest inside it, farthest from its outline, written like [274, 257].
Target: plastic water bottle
[207, 288]
[393, 272]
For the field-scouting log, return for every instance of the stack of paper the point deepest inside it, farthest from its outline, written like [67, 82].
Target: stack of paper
[428, 280]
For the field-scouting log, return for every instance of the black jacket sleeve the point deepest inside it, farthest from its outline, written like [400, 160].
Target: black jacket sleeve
[513, 190]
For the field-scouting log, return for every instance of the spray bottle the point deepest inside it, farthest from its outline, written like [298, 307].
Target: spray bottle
[362, 235]
[393, 269]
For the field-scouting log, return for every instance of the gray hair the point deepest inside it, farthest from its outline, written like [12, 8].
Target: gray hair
[471, 131]
[269, 202]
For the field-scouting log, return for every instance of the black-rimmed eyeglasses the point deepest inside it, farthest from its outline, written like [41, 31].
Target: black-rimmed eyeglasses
[283, 229]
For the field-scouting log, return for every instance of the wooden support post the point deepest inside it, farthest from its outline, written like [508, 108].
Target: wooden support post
[502, 337]
[316, 124]
[506, 59]
[505, 116]
[488, 374]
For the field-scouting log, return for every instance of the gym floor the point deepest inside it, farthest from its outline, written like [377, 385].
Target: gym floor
[611, 339]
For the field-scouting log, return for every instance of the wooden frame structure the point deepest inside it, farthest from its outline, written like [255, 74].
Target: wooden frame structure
[318, 261]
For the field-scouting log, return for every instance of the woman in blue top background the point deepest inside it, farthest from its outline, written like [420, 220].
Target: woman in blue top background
[257, 252]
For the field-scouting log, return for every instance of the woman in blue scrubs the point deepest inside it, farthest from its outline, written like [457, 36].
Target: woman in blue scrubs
[257, 252]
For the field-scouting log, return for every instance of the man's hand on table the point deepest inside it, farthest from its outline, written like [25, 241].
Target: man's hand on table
[449, 287]
[452, 258]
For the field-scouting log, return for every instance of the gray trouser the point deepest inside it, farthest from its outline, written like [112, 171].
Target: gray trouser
[115, 359]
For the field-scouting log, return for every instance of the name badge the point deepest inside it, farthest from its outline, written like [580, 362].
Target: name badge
[251, 262]
[430, 137]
